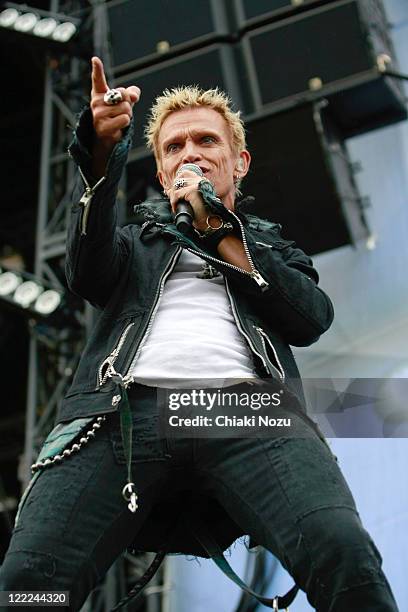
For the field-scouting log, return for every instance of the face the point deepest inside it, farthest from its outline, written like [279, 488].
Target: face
[200, 136]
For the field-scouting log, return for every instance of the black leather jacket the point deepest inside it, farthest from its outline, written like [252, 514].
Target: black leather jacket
[122, 271]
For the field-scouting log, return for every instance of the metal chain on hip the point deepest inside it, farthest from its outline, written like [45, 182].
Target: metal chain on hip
[50, 461]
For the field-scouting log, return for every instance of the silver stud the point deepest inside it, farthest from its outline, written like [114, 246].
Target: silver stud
[57, 458]
[47, 462]
[96, 426]
[101, 418]
[83, 440]
[75, 447]
[66, 453]
[90, 433]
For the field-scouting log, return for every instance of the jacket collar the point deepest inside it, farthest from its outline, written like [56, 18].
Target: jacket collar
[158, 210]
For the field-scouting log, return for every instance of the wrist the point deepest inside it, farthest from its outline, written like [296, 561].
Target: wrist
[200, 225]
[212, 224]
[216, 230]
[101, 152]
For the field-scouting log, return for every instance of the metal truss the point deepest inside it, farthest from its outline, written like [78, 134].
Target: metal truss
[54, 352]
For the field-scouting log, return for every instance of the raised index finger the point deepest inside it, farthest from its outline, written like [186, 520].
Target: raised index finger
[99, 84]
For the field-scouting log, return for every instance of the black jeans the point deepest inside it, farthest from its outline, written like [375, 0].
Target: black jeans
[286, 492]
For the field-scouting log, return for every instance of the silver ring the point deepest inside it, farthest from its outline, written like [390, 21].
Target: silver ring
[112, 96]
[180, 183]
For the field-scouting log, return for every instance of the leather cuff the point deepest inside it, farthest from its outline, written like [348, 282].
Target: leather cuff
[212, 236]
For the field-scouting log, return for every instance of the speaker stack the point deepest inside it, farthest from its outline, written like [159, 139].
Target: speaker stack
[306, 74]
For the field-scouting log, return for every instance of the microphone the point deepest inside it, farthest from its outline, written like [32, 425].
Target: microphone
[184, 212]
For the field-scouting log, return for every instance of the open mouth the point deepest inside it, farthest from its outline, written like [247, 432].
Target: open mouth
[203, 170]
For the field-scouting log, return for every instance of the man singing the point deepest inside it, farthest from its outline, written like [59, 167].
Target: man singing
[214, 305]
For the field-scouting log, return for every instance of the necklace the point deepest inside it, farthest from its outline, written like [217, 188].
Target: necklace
[208, 271]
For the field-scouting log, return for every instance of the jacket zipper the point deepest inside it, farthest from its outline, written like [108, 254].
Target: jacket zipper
[241, 329]
[264, 244]
[128, 378]
[109, 362]
[112, 357]
[86, 200]
[264, 336]
[260, 281]
[255, 274]
[261, 334]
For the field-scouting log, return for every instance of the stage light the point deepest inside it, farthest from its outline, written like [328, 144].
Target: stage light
[47, 302]
[8, 17]
[25, 22]
[37, 299]
[26, 293]
[45, 25]
[9, 281]
[64, 32]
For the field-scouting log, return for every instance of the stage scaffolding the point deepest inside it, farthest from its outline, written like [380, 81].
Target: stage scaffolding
[54, 352]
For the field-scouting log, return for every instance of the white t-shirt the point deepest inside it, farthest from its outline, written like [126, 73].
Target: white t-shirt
[194, 337]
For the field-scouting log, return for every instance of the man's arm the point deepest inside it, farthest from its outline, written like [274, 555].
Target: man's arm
[282, 280]
[96, 247]
[109, 121]
[292, 300]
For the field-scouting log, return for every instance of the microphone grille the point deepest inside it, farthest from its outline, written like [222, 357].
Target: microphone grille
[192, 168]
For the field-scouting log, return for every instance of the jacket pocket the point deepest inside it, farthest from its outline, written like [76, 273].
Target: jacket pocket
[276, 243]
[271, 354]
[107, 366]
[147, 442]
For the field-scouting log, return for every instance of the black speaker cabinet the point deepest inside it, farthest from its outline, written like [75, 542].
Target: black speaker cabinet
[144, 31]
[210, 67]
[301, 177]
[339, 51]
[250, 13]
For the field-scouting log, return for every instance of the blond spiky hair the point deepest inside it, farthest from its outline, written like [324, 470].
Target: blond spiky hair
[191, 96]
